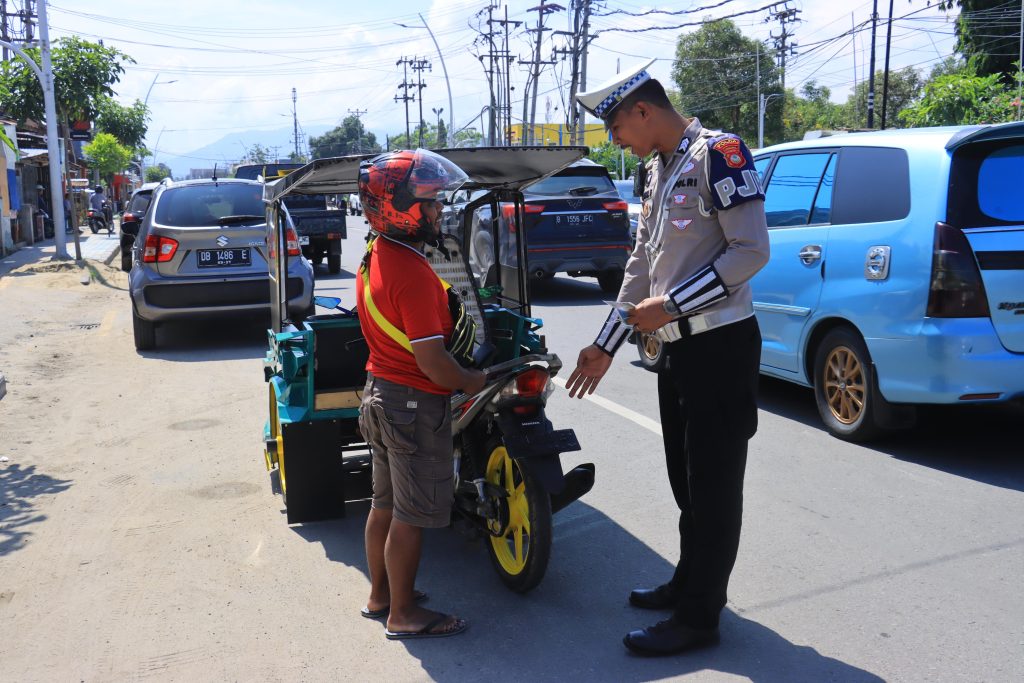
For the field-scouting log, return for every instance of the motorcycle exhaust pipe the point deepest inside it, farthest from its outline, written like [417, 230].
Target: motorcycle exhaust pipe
[578, 482]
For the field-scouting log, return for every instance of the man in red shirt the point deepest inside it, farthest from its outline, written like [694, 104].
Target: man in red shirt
[406, 409]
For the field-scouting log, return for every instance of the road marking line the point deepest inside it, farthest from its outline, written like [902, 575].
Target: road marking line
[631, 415]
[106, 324]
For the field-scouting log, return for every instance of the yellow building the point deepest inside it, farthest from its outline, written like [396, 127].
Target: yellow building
[558, 134]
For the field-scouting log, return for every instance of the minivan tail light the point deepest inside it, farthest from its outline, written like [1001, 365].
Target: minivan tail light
[158, 249]
[616, 206]
[956, 290]
[292, 238]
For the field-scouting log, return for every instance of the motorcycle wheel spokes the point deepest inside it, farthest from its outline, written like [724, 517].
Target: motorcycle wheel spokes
[512, 547]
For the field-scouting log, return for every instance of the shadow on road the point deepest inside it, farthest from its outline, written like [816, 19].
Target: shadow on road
[18, 487]
[198, 341]
[567, 291]
[976, 442]
[571, 626]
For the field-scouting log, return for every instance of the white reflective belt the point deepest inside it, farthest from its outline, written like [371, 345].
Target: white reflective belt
[702, 322]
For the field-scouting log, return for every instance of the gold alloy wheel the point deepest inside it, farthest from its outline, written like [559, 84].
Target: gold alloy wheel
[512, 547]
[845, 385]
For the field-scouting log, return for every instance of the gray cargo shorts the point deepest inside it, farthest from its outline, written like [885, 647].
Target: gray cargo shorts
[410, 436]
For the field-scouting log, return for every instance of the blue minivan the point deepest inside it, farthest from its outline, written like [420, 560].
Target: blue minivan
[896, 275]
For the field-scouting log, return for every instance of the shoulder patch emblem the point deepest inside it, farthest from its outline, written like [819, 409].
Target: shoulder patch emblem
[679, 199]
[689, 167]
[730, 149]
[682, 223]
[647, 209]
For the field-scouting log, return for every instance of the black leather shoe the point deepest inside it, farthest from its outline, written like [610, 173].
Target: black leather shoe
[669, 637]
[662, 597]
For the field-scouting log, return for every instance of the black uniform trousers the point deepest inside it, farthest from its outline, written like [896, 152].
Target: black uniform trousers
[708, 400]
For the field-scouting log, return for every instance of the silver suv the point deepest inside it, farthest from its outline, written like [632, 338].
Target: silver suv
[201, 251]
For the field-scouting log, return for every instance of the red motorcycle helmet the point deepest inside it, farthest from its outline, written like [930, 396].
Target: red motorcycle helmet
[394, 186]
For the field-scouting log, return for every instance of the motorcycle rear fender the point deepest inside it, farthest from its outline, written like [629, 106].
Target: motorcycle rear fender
[536, 446]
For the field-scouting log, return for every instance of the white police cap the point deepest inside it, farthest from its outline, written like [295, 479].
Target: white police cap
[602, 100]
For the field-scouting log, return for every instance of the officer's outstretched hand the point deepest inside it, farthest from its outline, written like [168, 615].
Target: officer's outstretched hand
[591, 366]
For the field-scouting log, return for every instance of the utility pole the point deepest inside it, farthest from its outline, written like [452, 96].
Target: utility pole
[405, 96]
[786, 15]
[542, 11]
[295, 124]
[358, 113]
[418, 66]
[573, 51]
[885, 78]
[871, 76]
[581, 118]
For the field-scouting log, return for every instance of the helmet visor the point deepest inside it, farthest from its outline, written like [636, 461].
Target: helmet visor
[433, 177]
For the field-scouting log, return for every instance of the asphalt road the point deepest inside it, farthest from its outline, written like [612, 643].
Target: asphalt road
[141, 538]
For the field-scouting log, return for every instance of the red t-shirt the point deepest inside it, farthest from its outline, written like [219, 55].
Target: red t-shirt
[410, 296]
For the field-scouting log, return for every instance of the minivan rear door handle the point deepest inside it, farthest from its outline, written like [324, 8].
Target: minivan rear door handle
[810, 253]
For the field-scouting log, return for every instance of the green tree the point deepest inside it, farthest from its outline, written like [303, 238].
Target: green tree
[813, 111]
[905, 87]
[987, 33]
[348, 138]
[127, 124]
[297, 158]
[257, 154]
[610, 156]
[442, 134]
[84, 75]
[467, 137]
[154, 174]
[962, 98]
[107, 155]
[716, 79]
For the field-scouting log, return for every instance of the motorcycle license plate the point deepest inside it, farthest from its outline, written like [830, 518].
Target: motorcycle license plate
[303, 240]
[219, 258]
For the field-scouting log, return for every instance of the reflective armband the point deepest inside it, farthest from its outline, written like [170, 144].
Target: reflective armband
[613, 334]
[701, 290]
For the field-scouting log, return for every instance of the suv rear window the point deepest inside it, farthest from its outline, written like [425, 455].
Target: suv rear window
[984, 184]
[140, 203]
[203, 205]
[998, 184]
[574, 181]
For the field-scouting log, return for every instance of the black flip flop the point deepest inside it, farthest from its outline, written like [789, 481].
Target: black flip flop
[418, 596]
[459, 626]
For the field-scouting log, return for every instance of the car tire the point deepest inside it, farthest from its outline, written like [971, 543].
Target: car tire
[651, 351]
[610, 281]
[334, 263]
[845, 389]
[126, 261]
[144, 332]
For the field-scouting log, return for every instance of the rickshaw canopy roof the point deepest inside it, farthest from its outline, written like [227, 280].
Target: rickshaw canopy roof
[487, 167]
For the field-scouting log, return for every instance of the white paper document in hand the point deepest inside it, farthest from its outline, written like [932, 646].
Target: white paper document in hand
[623, 308]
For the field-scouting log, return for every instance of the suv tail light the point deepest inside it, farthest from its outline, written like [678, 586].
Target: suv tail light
[292, 238]
[509, 210]
[956, 288]
[158, 249]
[616, 206]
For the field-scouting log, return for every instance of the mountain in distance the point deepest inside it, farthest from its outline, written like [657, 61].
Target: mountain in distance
[231, 147]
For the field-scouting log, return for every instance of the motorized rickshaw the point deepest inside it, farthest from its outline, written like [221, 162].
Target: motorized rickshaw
[508, 475]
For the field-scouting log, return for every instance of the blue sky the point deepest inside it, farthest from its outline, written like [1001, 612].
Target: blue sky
[234, 63]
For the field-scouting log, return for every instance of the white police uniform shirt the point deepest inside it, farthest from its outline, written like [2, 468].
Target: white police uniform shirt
[702, 234]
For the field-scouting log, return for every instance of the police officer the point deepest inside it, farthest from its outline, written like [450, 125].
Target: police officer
[701, 237]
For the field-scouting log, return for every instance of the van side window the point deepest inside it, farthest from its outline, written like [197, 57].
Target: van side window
[822, 212]
[793, 187]
[762, 164]
[873, 185]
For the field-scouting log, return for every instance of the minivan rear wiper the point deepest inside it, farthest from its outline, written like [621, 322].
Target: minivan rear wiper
[241, 218]
[581, 191]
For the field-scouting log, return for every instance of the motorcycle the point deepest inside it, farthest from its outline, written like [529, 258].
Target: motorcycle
[507, 467]
[98, 221]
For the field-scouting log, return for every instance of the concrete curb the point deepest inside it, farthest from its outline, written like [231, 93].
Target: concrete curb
[113, 255]
[3, 386]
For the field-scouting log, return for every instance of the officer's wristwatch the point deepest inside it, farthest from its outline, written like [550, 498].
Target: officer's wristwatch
[669, 306]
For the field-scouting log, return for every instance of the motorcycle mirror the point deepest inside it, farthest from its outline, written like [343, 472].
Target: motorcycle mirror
[327, 301]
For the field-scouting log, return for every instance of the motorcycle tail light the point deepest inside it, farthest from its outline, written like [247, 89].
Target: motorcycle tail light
[293, 242]
[158, 249]
[534, 383]
[128, 218]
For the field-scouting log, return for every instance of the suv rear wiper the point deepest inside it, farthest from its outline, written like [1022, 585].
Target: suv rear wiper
[241, 218]
[581, 191]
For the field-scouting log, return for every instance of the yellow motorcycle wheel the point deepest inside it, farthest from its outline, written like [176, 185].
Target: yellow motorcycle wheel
[276, 435]
[520, 542]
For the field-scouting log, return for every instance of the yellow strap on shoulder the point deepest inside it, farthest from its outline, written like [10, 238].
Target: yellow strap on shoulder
[383, 323]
